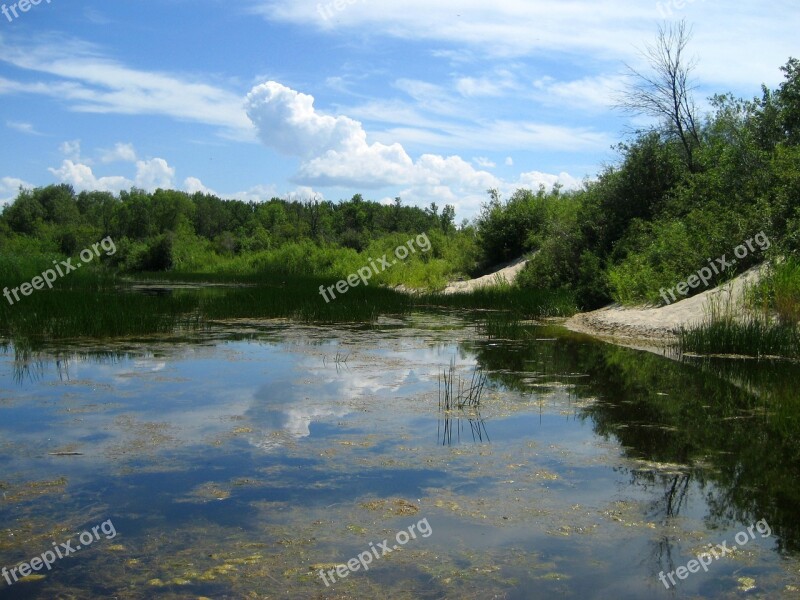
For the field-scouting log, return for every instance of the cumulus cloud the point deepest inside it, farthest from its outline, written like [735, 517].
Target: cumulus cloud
[287, 121]
[192, 185]
[258, 193]
[120, 153]
[9, 188]
[335, 152]
[150, 175]
[81, 177]
[535, 179]
[153, 174]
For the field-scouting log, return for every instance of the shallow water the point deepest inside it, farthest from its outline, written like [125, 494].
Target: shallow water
[238, 462]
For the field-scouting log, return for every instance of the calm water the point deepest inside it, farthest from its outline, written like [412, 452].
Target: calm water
[240, 462]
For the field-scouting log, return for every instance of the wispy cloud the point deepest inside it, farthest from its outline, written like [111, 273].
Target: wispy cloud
[25, 128]
[78, 74]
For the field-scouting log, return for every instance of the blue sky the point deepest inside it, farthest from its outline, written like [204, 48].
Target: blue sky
[430, 101]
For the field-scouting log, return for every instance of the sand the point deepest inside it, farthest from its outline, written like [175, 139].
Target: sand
[507, 273]
[662, 324]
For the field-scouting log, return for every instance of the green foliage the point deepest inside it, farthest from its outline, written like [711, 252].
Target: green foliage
[504, 229]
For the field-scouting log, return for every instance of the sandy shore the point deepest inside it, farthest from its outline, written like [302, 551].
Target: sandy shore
[659, 325]
[507, 273]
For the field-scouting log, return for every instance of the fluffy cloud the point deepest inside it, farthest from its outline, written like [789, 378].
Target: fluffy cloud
[192, 185]
[81, 177]
[120, 153]
[71, 149]
[287, 121]
[335, 152]
[9, 188]
[154, 174]
[150, 175]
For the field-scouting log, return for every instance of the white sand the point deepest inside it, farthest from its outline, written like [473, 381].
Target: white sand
[508, 273]
[664, 322]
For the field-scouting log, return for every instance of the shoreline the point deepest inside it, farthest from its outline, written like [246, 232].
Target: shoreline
[656, 328]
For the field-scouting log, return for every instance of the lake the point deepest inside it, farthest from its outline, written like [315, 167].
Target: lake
[249, 459]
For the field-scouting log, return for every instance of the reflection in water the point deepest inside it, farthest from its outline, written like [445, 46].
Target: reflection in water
[242, 458]
[448, 423]
[723, 432]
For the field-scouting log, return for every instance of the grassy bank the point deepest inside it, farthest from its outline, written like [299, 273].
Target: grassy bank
[770, 328]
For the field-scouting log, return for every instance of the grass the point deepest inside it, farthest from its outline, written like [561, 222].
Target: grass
[754, 336]
[95, 303]
[746, 333]
[524, 303]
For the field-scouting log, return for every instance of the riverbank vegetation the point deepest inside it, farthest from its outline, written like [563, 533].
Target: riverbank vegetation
[684, 193]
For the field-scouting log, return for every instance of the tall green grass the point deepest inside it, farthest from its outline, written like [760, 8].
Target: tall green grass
[753, 336]
[730, 328]
[524, 303]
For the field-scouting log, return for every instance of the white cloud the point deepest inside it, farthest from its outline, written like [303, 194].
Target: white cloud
[335, 152]
[484, 162]
[192, 185]
[81, 177]
[154, 174]
[495, 85]
[120, 153]
[92, 83]
[335, 149]
[509, 161]
[534, 179]
[587, 93]
[303, 193]
[25, 128]
[739, 42]
[71, 150]
[287, 121]
[258, 193]
[9, 188]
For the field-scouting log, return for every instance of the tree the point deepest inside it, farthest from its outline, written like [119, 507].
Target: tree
[25, 214]
[666, 93]
[448, 218]
[789, 97]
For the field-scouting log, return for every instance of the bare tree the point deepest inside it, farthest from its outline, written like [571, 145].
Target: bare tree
[666, 92]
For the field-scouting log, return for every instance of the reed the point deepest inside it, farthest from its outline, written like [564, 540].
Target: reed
[454, 394]
[728, 329]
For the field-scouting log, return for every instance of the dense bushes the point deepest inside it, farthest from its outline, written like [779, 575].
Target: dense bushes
[650, 222]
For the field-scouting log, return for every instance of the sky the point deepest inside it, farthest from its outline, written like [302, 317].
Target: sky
[300, 99]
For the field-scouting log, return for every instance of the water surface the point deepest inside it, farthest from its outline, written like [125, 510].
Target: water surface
[238, 462]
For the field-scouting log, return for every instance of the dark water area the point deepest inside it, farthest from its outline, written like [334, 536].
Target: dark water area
[250, 459]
